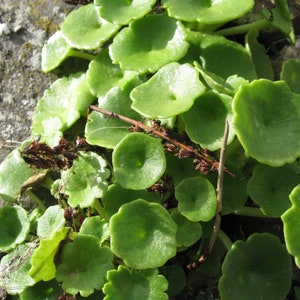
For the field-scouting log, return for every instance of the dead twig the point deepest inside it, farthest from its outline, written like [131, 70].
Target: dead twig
[163, 133]
[219, 191]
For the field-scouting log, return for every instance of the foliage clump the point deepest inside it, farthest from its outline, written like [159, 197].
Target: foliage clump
[126, 161]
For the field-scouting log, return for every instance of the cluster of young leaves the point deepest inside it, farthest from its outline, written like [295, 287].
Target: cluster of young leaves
[119, 223]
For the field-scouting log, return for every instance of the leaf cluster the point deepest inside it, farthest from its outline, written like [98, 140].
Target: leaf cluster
[125, 210]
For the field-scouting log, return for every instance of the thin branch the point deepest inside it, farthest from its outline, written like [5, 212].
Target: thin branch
[164, 135]
[219, 191]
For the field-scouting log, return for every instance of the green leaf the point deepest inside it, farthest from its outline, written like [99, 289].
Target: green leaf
[196, 199]
[54, 52]
[124, 284]
[217, 83]
[281, 18]
[111, 75]
[108, 132]
[96, 227]
[14, 226]
[205, 121]
[267, 121]
[180, 169]
[207, 12]
[42, 263]
[225, 58]
[212, 267]
[149, 43]
[14, 268]
[290, 73]
[60, 107]
[171, 91]
[176, 278]
[83, 265]
[85, 29]
[51, 221]
[116, 196]
[270, 188]
[49, 290]
[291, 225]
[13, 173]
[235, 192]
[143, 234]
[260, 60]
[188, 232]
[123, 12]
[259, 268]
[139, 161]
[84, 190]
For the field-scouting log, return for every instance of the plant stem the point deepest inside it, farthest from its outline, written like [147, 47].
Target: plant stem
[38, 201]
[84, 55]
[244, 28]
[99, 209]
[225, 239]
[250, 212]
[219, 191]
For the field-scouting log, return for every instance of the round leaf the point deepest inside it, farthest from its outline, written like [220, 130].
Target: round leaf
[83, 190]
[267, 121]
[205, 121]
[188, 232]
[124, 284]
[235, 191]
[122, 12]
[83, 265]
[84, 29]
[270, 188]
[96, 227]
[149, 43]
[108, 132]
[14, 226]
[225, 58]
[180, 169]
[14, 171]
[54, 52]
[196, 199]
[139, 161]
[259, 58]
[49, 290]
[143, 234]
[111, 75]
[116, 196]
[14, 268]
[51, 221]
[290, 73]
[176, 278]
[207, 12]
[60, 107]
[259, 268]
[291, 225]
[171, 91]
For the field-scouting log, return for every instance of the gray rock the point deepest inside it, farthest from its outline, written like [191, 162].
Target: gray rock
[24, 28]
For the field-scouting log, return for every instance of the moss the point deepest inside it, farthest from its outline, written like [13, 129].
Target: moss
[42, 22]
[47, 25]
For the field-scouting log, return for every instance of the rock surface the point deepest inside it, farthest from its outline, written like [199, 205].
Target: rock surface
[24, 28]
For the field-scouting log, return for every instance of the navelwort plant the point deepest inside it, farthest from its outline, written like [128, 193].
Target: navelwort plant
[126, 159]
